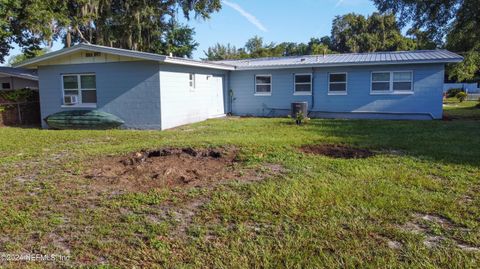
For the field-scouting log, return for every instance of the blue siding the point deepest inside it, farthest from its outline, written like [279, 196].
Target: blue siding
[425, 103]
[129, 90]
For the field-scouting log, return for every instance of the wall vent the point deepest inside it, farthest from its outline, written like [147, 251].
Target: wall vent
[92, 54]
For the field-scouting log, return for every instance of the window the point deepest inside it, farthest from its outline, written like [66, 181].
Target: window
[392, 82]
[380, 81]
[5, 85]
[82, 86]
[191, 81]
[303, 84]
[402, 81]
[337, 83]
[263, 84]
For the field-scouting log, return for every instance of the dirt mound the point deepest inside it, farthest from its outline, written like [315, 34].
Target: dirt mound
[167, 168]
[337, 151]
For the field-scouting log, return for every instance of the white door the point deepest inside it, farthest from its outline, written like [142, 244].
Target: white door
[217, 106]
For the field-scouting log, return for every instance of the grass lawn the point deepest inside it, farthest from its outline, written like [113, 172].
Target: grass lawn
[415, 203]
[465, 110]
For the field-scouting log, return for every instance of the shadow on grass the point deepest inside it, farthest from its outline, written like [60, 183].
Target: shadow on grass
[455, 142]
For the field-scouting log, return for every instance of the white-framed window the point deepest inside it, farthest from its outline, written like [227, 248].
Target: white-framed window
[79, 89]
[303, 84]
[263, 84]
[337, 83]
[191, 81]
[392, 82]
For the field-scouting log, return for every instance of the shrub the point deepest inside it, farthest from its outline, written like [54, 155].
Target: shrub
[453, 92]
[301, 119]
[461, 96]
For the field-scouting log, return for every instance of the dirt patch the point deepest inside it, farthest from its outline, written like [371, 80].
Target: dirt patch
[337, 151]
[170, 168]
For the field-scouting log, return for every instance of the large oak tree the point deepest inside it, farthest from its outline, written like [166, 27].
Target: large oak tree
[454, 24]
[145, 25]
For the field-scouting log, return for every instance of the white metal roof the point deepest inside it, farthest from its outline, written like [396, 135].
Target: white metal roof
[18, 73]
[350, 59]
[124, 52]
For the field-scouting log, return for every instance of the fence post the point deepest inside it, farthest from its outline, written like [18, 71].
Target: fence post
[19, 113]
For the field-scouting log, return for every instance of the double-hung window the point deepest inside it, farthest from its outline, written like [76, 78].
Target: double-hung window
[79, 89]
[392, 82]
[263, 84]
[337, 83]
[303, 84]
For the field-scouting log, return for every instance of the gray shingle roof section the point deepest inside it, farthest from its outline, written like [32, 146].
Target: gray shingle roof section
[351, 59]
[18, 72]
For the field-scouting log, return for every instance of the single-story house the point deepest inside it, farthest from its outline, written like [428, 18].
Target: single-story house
[18, 112]
[151, 91]
[17, 78]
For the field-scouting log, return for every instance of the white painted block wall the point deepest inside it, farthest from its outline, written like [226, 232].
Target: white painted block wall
[181, 104]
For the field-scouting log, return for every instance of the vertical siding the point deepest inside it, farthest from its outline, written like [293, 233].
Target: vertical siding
[182, 105]
[426, 100]
[129, 90]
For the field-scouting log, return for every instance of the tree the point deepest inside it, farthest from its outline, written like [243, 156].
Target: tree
[147, 25]
[355, 33]
[15, 59]
[177, 40]
[454, 21]
[256, 48]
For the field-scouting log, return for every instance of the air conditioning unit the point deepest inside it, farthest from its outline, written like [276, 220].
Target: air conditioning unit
[70, 99]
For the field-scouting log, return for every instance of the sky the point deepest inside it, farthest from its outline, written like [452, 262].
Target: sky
[274, 20]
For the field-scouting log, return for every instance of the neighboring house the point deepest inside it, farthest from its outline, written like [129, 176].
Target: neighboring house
[25, 112]
[17, 78]
[150, 91]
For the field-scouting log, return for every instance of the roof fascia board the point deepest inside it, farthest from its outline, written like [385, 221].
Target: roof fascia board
[20, 76]
[198, 64]
[122, 52]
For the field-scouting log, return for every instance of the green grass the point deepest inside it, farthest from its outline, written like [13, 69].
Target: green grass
[467, 110]
[322, 212]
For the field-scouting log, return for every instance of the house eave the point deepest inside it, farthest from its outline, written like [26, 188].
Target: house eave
[33, 63]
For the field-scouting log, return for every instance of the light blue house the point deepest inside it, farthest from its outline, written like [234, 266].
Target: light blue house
[150, 91]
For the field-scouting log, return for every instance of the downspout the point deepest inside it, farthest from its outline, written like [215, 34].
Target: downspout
[313, 88]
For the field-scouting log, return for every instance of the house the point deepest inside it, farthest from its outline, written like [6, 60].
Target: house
[18, 112]
[151, 91]
[17, 78]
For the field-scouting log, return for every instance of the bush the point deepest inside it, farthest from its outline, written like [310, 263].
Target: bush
[301, 119]
[453, 92]
[461, 96]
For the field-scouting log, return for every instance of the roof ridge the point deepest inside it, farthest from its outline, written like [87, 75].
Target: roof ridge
[329, 54]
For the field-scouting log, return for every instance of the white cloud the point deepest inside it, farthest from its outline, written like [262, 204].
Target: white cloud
[339, 2]
[252, 19]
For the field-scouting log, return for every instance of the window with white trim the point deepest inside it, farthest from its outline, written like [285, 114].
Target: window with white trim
[337, 83]
[191, 81]
[81, 86]
[303, 84]
[263, 84]
[392, 82]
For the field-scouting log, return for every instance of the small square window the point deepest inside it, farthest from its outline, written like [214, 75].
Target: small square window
[5, 85]
[303, 83]
[263, 84]
[191, 80]
[337, 83]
